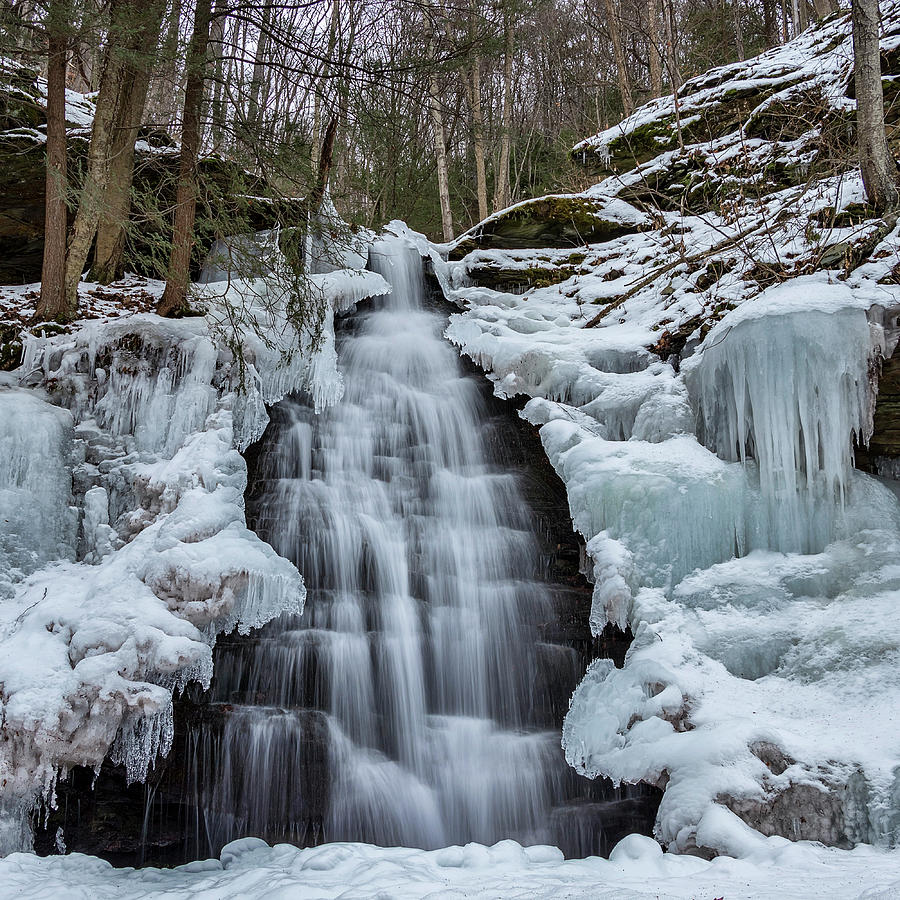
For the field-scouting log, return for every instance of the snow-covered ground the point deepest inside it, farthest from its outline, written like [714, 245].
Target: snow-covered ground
[637, 868]
[698, 382]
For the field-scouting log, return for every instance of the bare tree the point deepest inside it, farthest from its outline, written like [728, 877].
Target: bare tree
[473, 88]
[655, 45]
[440, 153]
[615, 34]
[53, 303]
[501, 184]
[738, 28]
[879, 173]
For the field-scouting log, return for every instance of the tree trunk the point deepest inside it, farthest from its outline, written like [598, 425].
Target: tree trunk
[478, 141]
[174, 298]
[824, 8]
[612, 22]
[320, 87]
[879, 174]
[440, 153]
[106, 119]
[770, 23]
[110, 243]
[655, 52]
[217, 54]
[258, 82]
[164, 102]
[473, 88]
[325, 161]
[738, 29]
[501, 188]
[671, 58]
[52, 304]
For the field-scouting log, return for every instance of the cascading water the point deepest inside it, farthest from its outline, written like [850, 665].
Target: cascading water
[404, 706]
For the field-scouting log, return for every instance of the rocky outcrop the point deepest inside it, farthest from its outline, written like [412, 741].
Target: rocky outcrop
[558, 220]
[231, 200]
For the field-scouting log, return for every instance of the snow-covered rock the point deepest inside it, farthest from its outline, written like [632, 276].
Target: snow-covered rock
[123, 542]
[766, 869]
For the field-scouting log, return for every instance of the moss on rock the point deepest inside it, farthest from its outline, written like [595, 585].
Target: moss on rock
[231, 201]
[552, 221]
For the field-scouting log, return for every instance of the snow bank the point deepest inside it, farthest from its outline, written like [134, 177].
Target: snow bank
[817, 60]
[123, 536]
[637, 868]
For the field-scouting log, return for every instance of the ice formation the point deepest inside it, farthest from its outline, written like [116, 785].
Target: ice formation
[123, 542]
[703, 419]
[728, 695]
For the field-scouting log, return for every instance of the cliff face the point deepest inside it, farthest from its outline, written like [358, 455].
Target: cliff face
[702, 335]
[231, 200]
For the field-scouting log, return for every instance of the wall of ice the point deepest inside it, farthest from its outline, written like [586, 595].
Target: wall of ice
[123, 541]
[39, 523]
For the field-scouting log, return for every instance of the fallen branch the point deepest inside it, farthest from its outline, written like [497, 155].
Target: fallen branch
[656, 273]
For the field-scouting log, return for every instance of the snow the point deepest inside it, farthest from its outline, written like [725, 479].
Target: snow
[698, 387]
[697, 390]
[122, 533]
[820, 58]
[742, 460]
[767, 869]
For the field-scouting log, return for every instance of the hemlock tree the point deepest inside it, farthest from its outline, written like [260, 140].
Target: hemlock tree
[133, 27]
[879, 173]
[131, 98]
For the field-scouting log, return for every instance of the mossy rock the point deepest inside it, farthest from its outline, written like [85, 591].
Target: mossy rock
[21, 102]
[22, 183]
[789, 117]
[10, 346]
[509, 278]
[553, 221]
[231, 201]
[642, 144]
[718, 117]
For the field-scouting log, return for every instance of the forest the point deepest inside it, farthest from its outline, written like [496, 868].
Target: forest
[434, 113]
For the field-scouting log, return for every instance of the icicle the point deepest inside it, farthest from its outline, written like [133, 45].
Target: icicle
[792, 391]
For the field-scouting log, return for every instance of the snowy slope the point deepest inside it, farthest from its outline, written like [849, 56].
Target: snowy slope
[637, 868]
[122, 531]
[699, 383]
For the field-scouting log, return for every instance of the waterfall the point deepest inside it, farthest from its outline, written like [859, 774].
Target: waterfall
[403, 707]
